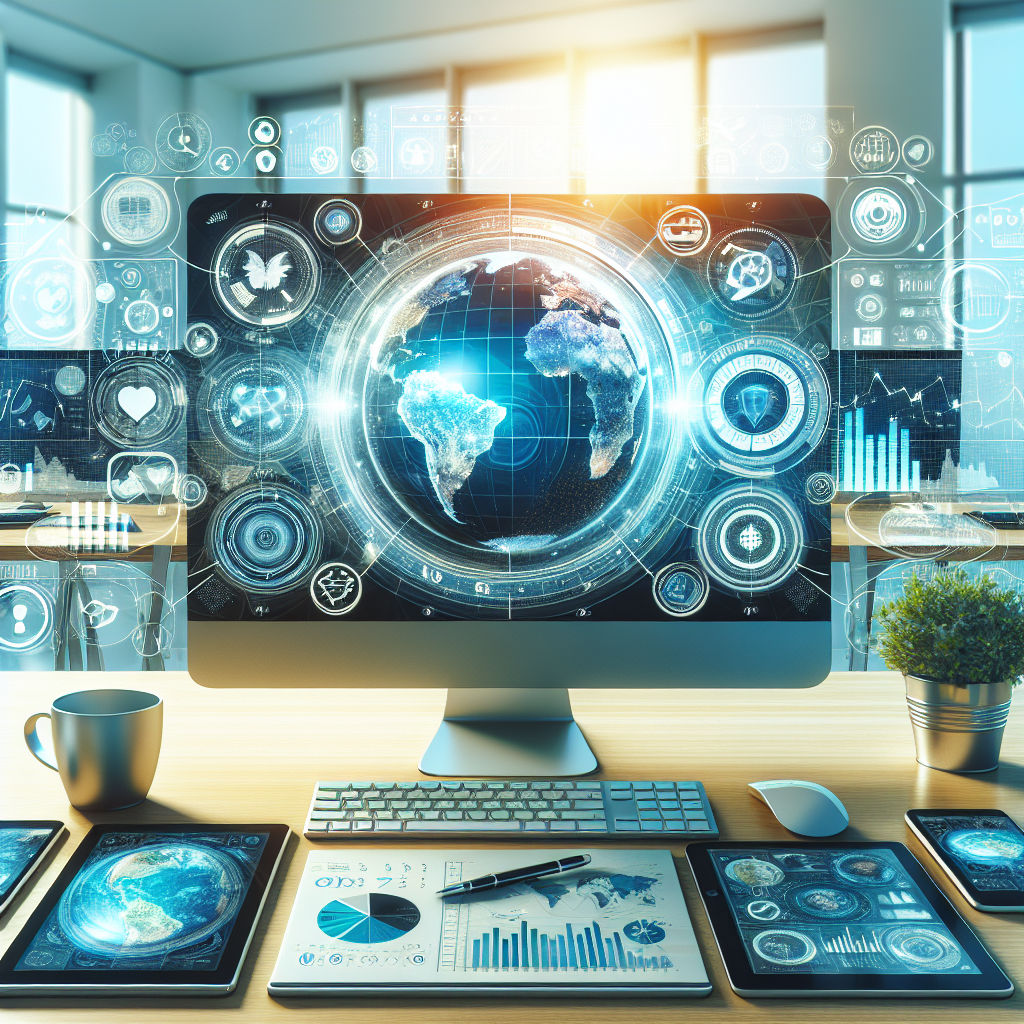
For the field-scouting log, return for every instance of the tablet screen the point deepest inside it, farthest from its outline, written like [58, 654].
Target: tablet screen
[17, 848]
[988, 848]
[149, 901]
[841, 911]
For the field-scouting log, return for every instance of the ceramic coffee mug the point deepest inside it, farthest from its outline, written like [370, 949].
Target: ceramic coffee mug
[106, 744]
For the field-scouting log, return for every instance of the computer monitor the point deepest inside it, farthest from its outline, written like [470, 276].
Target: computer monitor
[509, 445]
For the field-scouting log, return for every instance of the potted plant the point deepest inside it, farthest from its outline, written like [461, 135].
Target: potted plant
[959, 643]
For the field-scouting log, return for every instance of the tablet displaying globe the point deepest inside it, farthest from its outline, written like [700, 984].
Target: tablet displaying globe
[510, 407]
[149, 901]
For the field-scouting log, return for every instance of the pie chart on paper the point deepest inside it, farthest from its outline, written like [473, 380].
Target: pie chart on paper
[368, 918]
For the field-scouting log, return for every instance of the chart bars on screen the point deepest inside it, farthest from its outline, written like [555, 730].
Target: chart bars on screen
[572, 949]
[845, 942]
[877, 462]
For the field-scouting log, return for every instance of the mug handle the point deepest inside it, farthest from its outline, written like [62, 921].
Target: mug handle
[33, 742]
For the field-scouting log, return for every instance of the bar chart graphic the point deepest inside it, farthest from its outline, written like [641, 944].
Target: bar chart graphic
[877, 462]
[573, 947]
[846, 942]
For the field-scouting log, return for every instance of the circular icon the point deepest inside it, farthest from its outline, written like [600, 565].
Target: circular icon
[759, 405]
[820, 488]
[750, 539]
[191, 490]
[684, 230]
[975, 298]
[264, 131]
[256, 406]
[182, 142]
[680, 589]
[985, 845]
[917, 152]
[819, 153]
[105, 292]
[323, 159]
[224, 161]
[135, 211]
[828, 901]
[883, 216]
[922, 949]
[141, 317]
[863, 869]
[364, 160]
[647, 933]
[265, 539]
[335, 588]
[266, 160]
[416, 155]
[52, 300]
[335, 959]
[265, 274]
[10, 478]
[131, 278]
[337, 221]
[784, 947]
[201, 340]
[763, 910]
[752, 272]
[139, 160]
[754, 873]
[368, 918]
[138, 401]
[870, 307]
[26, 614]
[773, 158]
[103, 145]
[874, 150]
[69, 379]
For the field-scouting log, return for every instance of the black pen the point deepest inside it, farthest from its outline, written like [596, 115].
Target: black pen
[552, 867]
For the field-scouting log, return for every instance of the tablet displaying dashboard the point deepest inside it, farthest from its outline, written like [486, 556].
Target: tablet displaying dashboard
[856, 919]
[148, 909]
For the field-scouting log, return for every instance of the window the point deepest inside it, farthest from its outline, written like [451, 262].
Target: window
[404, 140]
[49, 164]
[738, 82]
[638, 125]
[516, 132]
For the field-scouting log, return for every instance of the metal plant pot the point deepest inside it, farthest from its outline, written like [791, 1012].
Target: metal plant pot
[958, 728]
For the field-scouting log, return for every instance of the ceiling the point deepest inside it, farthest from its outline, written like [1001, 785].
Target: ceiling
[196, 35]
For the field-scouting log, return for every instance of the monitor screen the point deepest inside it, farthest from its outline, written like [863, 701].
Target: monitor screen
[493, 407]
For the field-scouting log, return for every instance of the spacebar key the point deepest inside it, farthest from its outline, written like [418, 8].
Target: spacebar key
[463, 826]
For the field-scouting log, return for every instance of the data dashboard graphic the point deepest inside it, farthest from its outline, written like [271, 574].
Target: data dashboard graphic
[508, 407]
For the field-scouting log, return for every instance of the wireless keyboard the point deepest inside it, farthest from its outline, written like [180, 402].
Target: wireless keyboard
[531, 809]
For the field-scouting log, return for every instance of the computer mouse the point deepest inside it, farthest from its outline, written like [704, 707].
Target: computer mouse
[803, 807]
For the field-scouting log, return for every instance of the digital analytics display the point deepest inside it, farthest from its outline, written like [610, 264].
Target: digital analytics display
[147, 901]
[834, 911]
[410, 407]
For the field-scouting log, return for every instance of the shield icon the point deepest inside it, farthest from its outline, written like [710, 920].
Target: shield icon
[755, 400]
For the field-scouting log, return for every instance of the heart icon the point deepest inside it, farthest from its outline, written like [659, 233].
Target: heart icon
[136, 401]
[159, 474]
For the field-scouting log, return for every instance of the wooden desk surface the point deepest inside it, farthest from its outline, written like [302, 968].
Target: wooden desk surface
[51, 542]
[253, 755]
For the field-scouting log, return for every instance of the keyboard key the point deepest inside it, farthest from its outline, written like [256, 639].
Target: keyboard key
[326, 794]
[581, 815]
[453, 815]
[649, 815]
[692, 805]
[408, 785]
[400, 805]
[317, 826]
[430, 815]
[362, 826]
[664, 785]
[672, 815]
[389, 826]
[463, 826]
[328, 815]
[476, 815]
[588, 805]
[375, 805]
[651, 826]
[327, 805]
[362, 785]
[341, 826]
[540, 785]
[451, 786]
[429, 786]
[535, 826]
[698, 826]
[647, 805]
[563, 826]
[626, 825]
[500, 815]
[592, 826]
[588, 785]
[334, 785]
[519, 785]
[695, 814]
[561, 805]
[523, 815]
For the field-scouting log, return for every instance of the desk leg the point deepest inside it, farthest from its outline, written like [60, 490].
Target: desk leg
[861, 576]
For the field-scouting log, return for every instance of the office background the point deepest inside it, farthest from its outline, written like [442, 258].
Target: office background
[560, 96]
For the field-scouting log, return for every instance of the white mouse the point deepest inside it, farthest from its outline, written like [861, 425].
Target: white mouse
[803, 807]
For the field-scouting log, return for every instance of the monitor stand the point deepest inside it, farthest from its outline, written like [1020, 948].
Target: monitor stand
[505, 732]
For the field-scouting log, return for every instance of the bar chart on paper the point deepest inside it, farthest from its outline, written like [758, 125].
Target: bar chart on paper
[370, 921]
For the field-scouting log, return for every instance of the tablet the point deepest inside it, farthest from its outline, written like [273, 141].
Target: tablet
[23, 847]
[148, 909]
[837, 919]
